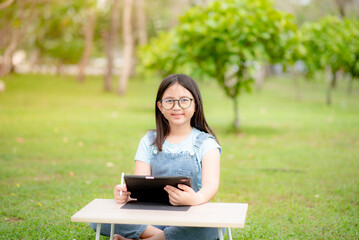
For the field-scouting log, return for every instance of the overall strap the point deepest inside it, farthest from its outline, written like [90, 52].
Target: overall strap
[152, 136]
[200, 139]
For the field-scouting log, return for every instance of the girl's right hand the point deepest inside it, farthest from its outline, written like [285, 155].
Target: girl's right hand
[121, 198]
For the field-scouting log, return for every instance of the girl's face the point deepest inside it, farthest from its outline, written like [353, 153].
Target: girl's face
[177, 116]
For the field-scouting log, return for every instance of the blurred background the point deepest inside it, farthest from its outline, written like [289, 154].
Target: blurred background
[280, 88]
[124, 38]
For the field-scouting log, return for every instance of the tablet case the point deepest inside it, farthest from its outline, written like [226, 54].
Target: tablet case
[151, 189]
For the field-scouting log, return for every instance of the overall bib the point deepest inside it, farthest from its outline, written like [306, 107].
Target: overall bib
[171, 164]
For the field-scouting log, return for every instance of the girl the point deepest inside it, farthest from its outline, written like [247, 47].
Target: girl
[182, 145]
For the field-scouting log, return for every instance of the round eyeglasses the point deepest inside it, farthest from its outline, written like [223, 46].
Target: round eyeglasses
[183, 103]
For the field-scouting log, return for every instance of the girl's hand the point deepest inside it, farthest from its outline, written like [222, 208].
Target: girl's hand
[117, 194]
[184, 196]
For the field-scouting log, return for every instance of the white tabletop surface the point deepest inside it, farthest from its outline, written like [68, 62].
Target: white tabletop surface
[206, 215]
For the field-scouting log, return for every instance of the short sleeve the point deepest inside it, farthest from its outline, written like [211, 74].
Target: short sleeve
[209, 144]
[143, 153]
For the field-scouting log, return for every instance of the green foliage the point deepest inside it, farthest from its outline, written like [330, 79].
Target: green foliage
[17, 20]
[225, 38]
[159, 55]
[59, 33]
[224, 41]
[331, 42]
[351, 64]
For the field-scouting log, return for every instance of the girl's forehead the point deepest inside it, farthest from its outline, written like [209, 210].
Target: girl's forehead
[176, 91]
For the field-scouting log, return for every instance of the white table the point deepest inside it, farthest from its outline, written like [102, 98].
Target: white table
[219, 215]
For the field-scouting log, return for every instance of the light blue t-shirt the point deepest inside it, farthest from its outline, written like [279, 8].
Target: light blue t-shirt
[143, 153]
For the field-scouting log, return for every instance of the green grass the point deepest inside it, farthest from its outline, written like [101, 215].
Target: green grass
[62, 144]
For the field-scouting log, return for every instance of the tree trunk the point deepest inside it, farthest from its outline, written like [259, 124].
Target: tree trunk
[16, 34]
[178, 8]
[34, 60]
[331, 85]
[89, 32]
[6, 65]
[141, 21]
[350, 84]
[110, 41]
[236, 122]
[341, 7]
[128, 47]
[59, 68]
[12, 42]
[6, 4]
[260, 75]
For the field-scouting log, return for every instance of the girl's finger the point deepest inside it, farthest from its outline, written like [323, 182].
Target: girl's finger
[174, 192]
[173, 201]
[184, 187]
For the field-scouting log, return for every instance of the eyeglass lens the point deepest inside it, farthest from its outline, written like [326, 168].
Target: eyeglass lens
[183, 103]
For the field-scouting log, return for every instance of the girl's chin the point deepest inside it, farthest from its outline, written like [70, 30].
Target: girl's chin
[178, 122]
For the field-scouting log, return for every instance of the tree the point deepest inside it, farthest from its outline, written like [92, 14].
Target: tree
[110, 39]
[160, 55]
[313, 10]
[141, 22]
[128, 47]
[15, 21]
[351, 66]
[326, 42]
[342, 6]
[6, 4]
[89, 29]
[58, 34]
[226, 39]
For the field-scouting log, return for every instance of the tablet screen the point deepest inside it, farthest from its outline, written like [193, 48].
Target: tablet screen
[151, 188]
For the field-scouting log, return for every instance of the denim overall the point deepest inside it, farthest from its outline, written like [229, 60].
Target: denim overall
[170, 164]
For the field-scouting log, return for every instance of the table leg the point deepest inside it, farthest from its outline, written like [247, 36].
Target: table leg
[220, 234]
[112, 231]
[229, 233]
[98, 231]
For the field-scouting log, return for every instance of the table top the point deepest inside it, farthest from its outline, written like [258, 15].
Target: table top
[206, 215]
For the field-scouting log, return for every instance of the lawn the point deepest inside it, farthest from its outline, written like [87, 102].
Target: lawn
[295, 163]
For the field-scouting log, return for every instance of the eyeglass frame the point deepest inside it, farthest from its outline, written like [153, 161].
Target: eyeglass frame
[178, 102]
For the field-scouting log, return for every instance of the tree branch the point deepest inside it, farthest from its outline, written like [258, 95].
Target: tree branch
[6, 4]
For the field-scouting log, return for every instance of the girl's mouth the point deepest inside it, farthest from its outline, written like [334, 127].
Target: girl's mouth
[178, 115]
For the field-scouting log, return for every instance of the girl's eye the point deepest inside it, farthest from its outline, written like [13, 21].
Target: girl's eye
[184, 100]
[168, 101]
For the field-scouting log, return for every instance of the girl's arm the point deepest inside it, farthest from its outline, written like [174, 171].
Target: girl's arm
[210, 175]
[210, 183]
[142, 168]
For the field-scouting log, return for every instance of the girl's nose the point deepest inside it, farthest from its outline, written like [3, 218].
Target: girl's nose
[176, 105]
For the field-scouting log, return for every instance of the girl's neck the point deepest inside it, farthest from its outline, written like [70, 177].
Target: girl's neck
[179, 134]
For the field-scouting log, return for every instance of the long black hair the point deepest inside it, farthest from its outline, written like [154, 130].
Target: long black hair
[197, 121]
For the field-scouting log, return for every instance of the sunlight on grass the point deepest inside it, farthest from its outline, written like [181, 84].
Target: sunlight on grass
[63, 144]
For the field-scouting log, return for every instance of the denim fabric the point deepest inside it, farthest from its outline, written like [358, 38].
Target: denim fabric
[171, 164]
[182, 164]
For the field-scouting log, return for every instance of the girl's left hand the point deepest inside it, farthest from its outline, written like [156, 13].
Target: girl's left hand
[184, 196]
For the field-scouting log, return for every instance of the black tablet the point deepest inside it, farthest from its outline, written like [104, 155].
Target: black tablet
[151, 189]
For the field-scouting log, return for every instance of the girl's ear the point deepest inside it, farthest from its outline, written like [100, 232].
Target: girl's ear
[159, 106]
